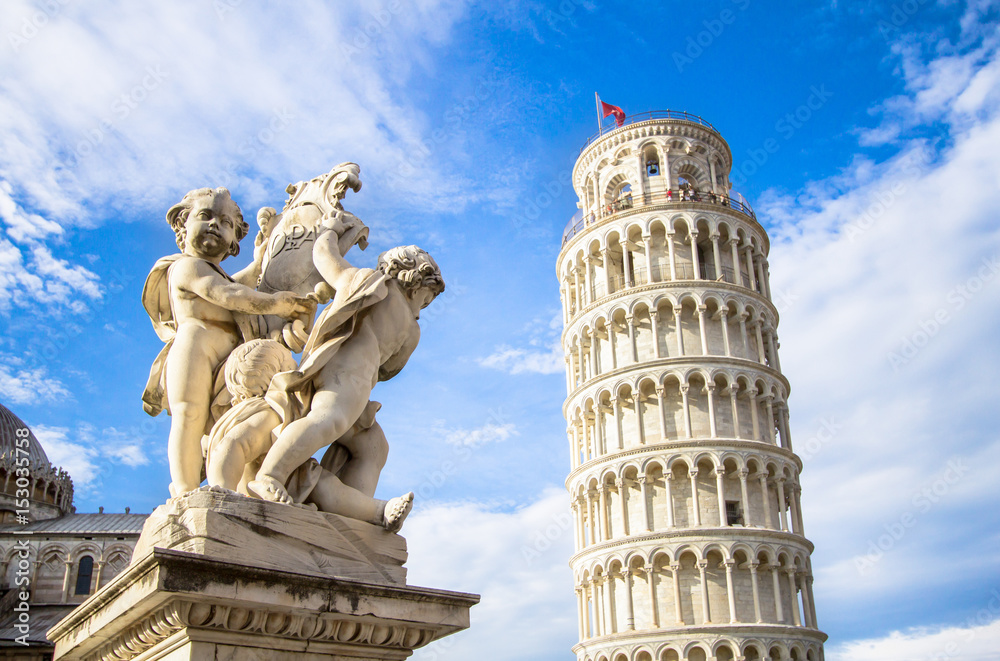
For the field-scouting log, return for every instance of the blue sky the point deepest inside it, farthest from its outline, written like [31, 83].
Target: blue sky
[867, 137]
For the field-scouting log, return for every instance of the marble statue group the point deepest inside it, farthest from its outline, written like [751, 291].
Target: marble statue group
[244, 413]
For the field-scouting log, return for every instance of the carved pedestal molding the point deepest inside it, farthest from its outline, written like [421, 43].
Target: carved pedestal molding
[174, 605]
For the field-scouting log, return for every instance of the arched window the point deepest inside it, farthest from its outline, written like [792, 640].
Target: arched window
[83, 575]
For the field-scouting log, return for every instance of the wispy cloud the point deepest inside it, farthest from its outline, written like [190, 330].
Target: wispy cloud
[540, 353]
[20, 385]
[87, 453]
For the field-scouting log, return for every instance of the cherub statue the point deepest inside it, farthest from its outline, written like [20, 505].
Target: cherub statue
[242, 436]
[364, 336]
[192, 302]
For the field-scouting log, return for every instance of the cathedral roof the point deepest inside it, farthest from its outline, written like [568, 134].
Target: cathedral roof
[9, 425]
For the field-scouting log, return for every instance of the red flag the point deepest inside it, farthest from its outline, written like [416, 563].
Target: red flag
[609, 109]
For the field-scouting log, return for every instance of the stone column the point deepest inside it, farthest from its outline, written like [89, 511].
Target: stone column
[675, 568]
[793, 507]
[716, 255]
[651, 581]
[612, 331]
[781, 503]
[752, 396]
[778, 610]
[629, 608]
[574, 450]
[710, 392]
[760, 342]
[646, 239]
[679, 329]
[770, 418]
[693, 473]
[744, 494]
[630, 322]
[684, 406]
[756, 591]
[772, 351]
[806, 605]
[768, 521]
[637, 404]
[743, 334]
[617, 405]
[622, 487]
[750, 266]
[706, 612]
[670, 255]
[661, 400]
[588, 296]
[812, 601]
[66, 575]
[609, 612]
[702, 310]
[606, 255]
[643, 484]
[602, 494]
[581, 609]
[668, 480]
[734, 403]
[626, 259]
[595, 596]
[793, 589]
[654, 321]
[602, 446]
[693, 239]
[723, 318]
[720, 490]
[729, 564]
[760, 273]
[737, 272]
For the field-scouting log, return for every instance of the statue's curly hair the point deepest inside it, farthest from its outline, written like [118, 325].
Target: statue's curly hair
[178, 214]
[413, 267]
[250, 367]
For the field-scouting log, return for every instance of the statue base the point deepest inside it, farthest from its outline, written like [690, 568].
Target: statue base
[259, 533]
[229, 590]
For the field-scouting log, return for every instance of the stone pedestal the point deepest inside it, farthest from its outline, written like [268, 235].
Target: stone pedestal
[238, 603]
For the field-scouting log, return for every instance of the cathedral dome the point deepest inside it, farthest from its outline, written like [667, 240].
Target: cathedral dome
[49, 488]
[9, 424]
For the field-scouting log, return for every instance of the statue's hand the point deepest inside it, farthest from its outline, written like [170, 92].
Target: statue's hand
[290, 306]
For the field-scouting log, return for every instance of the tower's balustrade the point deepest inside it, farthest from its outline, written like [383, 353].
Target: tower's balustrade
[685, 489]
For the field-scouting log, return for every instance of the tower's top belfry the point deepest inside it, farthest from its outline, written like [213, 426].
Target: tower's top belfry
[683, 482]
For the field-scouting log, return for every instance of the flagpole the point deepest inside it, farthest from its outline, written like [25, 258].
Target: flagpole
[597, 100]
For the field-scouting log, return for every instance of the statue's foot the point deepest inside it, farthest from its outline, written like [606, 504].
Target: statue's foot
[396, 510]
[269, 488]
[217, 488]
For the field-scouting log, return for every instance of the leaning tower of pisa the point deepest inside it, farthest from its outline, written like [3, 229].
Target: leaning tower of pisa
[684, 485]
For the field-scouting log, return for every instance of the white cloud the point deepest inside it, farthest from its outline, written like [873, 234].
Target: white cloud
[542, 355]
[974, 642]
[86, 453]
[515, 560]
[491, 432]
[20, 385]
